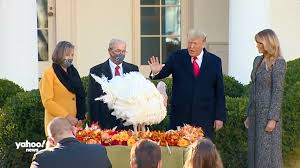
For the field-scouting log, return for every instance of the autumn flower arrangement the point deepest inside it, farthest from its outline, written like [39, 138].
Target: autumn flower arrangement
[182, 137]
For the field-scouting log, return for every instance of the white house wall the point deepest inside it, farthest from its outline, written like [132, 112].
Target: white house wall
[285, 20]
[97, 22]
[246, 18]
[18, 43]
[212, 17]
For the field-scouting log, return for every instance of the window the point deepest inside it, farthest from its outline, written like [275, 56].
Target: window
[42, 29]
[46, 32]
[160, 28]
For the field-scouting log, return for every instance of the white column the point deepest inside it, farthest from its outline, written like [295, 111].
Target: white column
[18, 42]
[246, 18]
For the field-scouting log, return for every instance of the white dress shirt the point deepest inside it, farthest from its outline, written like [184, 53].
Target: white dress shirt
[113, 67]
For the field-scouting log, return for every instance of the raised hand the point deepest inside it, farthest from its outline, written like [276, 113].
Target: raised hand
[155, 66]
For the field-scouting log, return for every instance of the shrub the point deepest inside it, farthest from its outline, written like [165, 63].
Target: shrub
[291, 119]
[292, 73]
[21, 120]
[247, 90]
[291, 109]
[85, 82]
[232, 87]
[7, 89]
[231, 141]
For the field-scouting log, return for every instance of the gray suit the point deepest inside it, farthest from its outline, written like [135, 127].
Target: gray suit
[72, 153]
[264, 149]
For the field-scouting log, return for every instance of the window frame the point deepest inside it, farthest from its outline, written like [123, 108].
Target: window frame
[42, 65]
[185, 24]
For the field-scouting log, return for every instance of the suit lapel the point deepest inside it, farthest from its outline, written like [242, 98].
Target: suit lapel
[188, 63]
[203, 63]
[125, 67]
[259, 68]
[106, 70]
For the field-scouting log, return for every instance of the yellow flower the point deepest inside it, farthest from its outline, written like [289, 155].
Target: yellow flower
[131, 141]
[116, 137]
[123, 135]
[183, 142]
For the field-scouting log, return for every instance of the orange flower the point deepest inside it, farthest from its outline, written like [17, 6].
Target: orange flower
[182, 137]
[183, 142]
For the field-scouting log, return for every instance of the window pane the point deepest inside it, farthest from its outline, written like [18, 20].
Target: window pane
[149, 47]
[170, 20]
[43, 45]
[42, 18]
[150, 21]
[169, 45]
[149, 2]
[170, 2]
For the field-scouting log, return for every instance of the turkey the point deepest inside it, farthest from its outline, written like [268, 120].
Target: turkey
[134, 99]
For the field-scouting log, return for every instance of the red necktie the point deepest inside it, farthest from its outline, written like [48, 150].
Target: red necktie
[195, 67]
[117, 72]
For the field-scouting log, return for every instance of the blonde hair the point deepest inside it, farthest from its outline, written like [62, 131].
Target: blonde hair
[203, 154]
[195, 33]
[271, 45]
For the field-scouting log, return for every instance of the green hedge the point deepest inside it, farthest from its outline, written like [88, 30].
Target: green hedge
[231, 141]
[85, 83]
[22, 119]
[292, 73]
[7, 89]
[291, 119]
[232, 87]
[291, 109]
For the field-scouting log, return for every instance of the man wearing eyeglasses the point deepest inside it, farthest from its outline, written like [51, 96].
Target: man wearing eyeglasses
[114, 66]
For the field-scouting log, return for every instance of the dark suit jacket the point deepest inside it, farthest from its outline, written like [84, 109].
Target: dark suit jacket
[98, 110]
[72, 153]
[196, 101]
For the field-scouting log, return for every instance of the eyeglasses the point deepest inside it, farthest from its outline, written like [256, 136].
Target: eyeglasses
[120, 52]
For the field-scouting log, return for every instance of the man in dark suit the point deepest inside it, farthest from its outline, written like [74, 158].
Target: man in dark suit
[198, 91]
[68, 151]
[114, 66]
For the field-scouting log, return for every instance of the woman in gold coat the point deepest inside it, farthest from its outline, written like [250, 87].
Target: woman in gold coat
[61, 88]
